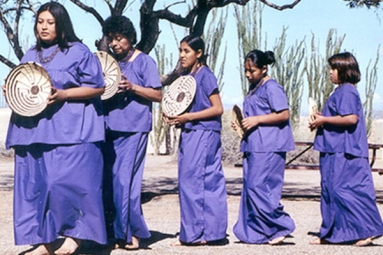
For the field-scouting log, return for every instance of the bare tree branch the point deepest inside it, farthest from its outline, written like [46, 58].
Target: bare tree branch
[91, 10]
[7, 62]
[282, 7]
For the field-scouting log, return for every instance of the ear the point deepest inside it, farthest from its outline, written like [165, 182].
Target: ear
[264, 70]
[199, 53]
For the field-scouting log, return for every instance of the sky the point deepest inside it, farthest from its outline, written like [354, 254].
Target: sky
[362, 27]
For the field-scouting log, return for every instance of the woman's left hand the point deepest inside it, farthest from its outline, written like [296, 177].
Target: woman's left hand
[177, 120]
[56, 95]
[125, 84]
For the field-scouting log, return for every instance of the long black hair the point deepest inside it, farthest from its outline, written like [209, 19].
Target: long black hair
[260, 58]
[196, 43]
[64, 28]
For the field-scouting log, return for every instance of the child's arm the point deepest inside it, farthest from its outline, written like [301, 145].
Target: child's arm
[268, 119]
[347, 120]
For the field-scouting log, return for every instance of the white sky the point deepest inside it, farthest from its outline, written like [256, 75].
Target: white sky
[362, 27]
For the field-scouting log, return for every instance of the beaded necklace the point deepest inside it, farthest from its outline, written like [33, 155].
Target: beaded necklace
[49, 58]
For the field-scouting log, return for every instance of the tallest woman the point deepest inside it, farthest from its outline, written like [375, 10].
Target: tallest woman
[58, 159]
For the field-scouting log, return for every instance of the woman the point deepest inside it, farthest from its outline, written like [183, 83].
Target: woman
[348, 203]
[267, 138]
[128, 118]
[58, 160]
[201, 180]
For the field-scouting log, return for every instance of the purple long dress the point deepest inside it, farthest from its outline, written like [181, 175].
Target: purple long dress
[348, 203]
[128, 120]
[58, 159]
[261, 216]
[201, 181]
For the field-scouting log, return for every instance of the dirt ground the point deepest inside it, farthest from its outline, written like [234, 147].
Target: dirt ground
[161, 211]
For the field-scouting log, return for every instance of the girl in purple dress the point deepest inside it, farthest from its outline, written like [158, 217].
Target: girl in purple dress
[267, 138]
[128, 119]
[201, 181]
[348, 205]
[58, 159]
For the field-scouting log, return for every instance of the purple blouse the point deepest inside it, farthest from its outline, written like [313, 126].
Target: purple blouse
[269, 97]
[126, 111]
[68, 122]
[345, 100]
[206, 85]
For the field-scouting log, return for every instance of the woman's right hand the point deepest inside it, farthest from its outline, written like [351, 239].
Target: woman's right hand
[4, 89]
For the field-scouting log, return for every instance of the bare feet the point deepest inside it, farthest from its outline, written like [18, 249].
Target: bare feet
[135, 245]
[69, 246]
[277, 240]
[364, 242]
[179, 243]
[317, 240]
[42, 249]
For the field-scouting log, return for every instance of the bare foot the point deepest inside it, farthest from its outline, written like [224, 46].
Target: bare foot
[364, 242]
[69, 246]
[317, 240]
[135, 245]
[42, 249]
[277, 240]
[179, 243]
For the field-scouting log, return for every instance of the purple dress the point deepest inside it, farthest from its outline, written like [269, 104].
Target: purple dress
[58, 159]
[348, 204]
[261, 216]
[201, 181]
[128, 119]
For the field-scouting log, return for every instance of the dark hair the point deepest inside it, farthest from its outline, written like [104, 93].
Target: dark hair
[64, 28]
[196, 43]
[120, 25]
[260, 58]
[347, 67]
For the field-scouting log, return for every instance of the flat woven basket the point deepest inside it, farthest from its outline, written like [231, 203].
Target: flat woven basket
[28, 87]
[179, 96]
[112, 74]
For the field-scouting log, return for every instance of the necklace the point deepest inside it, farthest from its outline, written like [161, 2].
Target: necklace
[49, 58]
[129, 55]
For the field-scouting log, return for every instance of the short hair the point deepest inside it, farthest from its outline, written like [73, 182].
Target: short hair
[64, 28]
[260, 58]
[120, 25]
[347, 67]
[196, 43]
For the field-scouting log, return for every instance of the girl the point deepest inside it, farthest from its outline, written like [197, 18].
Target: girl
[268, 137]
[201, 181]
[58, 160]
[348, 206]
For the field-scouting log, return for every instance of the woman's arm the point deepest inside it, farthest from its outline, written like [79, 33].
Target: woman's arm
[268, 119]
[79, 93]
[154, 95]
[216, 109]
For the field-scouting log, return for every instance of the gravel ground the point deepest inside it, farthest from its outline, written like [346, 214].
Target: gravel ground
[161, 210]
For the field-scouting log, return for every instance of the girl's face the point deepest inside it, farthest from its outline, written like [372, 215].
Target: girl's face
[334, 76]
[188, 56]
[119, 44]
[46, 27]
[254, 74]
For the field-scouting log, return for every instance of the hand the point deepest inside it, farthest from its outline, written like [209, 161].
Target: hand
[250, 122]
[4, 89]
[177, 120]
[318, 121]
[56, 95]
[233, 125]
[125, 85]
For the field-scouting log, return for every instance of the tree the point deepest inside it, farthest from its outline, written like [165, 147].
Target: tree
[361, 3]
[12, 11]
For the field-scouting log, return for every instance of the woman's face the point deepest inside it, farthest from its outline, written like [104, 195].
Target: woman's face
[46, 27]
[119, 44]
[254, 74]
[334, 76]
[188, 56]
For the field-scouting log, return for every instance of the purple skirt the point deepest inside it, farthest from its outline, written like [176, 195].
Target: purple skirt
[58, 193]
[202, 187]
[348, 203]
[261, 216]
[124, 157]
